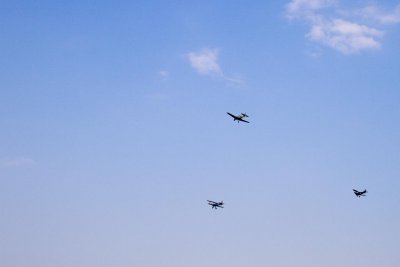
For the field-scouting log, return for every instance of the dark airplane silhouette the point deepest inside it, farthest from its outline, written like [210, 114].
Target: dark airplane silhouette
[215, 205]
[360, 194]
[238, 118]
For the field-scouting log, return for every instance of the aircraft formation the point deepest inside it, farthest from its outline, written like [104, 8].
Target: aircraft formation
[240, 118]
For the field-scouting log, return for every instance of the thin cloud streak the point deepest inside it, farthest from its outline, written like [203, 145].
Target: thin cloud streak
[18, 162]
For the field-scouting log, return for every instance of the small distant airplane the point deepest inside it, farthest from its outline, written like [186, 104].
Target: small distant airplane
[360, 194]
[238, 118]
[215, 205]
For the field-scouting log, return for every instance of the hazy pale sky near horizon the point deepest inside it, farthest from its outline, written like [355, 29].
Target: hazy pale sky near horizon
[114, 133]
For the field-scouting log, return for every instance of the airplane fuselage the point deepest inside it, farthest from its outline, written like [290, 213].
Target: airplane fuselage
[215, 205]
[360, 194]
[238, 118]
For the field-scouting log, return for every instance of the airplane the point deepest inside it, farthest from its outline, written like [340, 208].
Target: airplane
[215, 205]
[360, 194]
[238, 118]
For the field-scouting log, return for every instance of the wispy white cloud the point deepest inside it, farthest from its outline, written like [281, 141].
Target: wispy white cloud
[300, 8]
[205, 62]
[345, 36]
[331, 25]
[380, 15]
[163, 74]
[18, 162]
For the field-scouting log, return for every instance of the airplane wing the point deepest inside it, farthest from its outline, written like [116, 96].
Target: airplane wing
[233, 116]
[355, 191]
[211, 202]
[244, 120]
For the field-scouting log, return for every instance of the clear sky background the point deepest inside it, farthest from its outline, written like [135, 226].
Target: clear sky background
[114, 133]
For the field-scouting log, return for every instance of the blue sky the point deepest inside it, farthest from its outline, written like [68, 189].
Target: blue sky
[114, 133]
